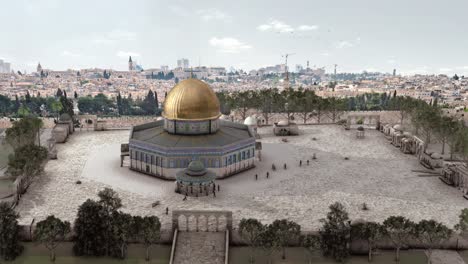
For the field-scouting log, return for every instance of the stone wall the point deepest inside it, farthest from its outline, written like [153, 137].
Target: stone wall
[392, 117]
[6, 123]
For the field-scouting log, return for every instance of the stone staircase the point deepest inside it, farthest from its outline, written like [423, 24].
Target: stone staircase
[200, 248]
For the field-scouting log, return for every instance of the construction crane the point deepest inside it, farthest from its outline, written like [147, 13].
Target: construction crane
[286, 80]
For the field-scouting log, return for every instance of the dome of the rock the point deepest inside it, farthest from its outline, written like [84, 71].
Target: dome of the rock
[191, 99]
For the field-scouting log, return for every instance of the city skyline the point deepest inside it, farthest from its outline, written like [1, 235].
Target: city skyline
[359, 36]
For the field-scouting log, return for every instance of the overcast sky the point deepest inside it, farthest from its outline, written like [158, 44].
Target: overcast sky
[413, 36]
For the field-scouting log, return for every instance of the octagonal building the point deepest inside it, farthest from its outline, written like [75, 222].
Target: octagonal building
[191, 130]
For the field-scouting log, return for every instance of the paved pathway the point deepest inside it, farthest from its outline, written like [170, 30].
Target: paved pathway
[200, 248]
[446, 257]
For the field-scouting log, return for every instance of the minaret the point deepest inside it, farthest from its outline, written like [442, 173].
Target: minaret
[39, 67]
[130, 64]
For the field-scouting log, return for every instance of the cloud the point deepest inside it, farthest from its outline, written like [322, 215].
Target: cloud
[307, 27]
[126, 54]
[326, 54]
[343, 44]
[462, 68]
[115, 36]
[347, 43]
[445, 70]
[277, 26]
[391, 61]
[229, 45]
[67, 53]
[178, 10]
[282, 27]
[213, 14]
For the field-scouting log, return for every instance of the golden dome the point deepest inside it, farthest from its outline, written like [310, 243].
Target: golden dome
[191, 99]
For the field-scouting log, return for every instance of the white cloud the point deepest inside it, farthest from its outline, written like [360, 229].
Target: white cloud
[277, 26]
[326, 54]
[343, 44]
[347, 43]
[229, 45]
[462, 68]
[445, 70]
[213, 14]
[68, 53]
[282, 27]
[307, 27]
[126, 54]
[391, 61]
[115, 36]
[178, 10]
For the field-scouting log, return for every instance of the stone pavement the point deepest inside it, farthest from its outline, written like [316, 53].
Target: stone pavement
[446, 257]
[200, 248]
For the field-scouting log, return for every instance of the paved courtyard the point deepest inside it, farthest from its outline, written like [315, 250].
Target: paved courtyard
[376, 173]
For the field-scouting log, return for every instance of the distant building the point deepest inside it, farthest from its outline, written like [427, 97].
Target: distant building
[299, 68]
[394, 72]
[39, 68]
[4, 67]
[164, 68]
[183, 63]
[131, 66]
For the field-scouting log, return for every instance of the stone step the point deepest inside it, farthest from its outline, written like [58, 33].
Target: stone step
[200, 248]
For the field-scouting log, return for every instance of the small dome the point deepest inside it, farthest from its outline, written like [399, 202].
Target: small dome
[408, 134]
[250, 121]
[360, 128]
[397, 127]
[191, 99]
[225, 117]
[283, 123]
[65, 117]
[436, 155]
[195, 166]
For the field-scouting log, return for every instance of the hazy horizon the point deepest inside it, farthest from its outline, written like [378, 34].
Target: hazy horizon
[413, 37]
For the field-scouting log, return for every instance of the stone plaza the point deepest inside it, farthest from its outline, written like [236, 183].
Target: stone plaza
[375, 173]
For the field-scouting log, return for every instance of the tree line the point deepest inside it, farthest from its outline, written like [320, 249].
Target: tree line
[36, 105]
[337, 232]
[100, 229]
[54, 106]
[304, 104]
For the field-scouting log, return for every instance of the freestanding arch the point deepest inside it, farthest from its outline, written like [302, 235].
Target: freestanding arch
[202, 220]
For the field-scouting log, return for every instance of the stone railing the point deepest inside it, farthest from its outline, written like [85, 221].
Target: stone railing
[204, 221]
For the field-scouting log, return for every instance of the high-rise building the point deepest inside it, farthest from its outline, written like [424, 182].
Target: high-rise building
[130, 64]
[183, 63]
[4, 67]
[39, 67]
[394, 72]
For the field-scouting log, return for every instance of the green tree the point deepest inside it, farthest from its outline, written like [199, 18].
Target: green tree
[335, 233]
[27, 160]
[122, 231]
[90, 230]
[311, 243]
[150, 105]
[286, 233]
[23, 132]
[431, 233]
[250, 231]
[56, 107]
[462, 224]
[368, 231]
[111, 203]
[149, 229]
[50, 232]
[399, 230]
[10, 247]
[268, 241]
